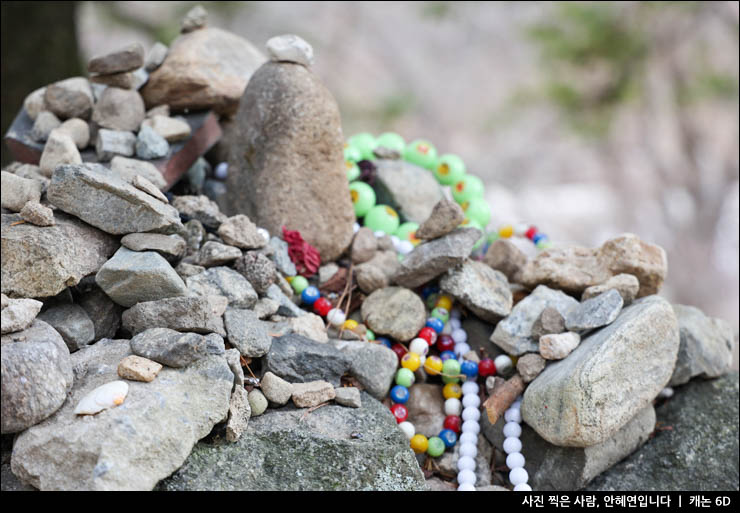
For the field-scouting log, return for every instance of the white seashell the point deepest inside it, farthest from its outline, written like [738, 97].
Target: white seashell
[105, 396]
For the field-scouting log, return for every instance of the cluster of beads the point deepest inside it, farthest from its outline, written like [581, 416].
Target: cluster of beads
[513, 448]
[449, 169]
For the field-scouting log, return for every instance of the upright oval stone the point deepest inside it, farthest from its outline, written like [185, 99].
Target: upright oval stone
[616, 372]
[289, 168]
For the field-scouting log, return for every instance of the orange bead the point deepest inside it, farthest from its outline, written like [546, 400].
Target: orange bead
[452, 390]
[506, 231]
[419, 443]
[411, 361]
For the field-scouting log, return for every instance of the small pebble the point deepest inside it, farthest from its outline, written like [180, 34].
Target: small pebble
[257, 402]
[221, 171]
[349, 396]
[137, 368]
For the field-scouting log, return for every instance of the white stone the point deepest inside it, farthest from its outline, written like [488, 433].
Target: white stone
[518, 476]
[512, 429]
[419, 346]
[558, 346]
[471, 413]
[405, 247]
[408, 429]
[515, 460]
[454, 323]
[453, 406]
[291, 48]
[512, 444]
[60, 148]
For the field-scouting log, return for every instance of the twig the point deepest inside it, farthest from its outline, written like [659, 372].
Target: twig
[502, 397]
[312, 409]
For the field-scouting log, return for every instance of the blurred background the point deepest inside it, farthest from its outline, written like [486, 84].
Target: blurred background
[585, 119]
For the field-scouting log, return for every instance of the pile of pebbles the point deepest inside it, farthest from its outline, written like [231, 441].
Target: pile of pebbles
[136, 321]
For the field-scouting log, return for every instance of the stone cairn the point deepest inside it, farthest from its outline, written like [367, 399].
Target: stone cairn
[137, 320]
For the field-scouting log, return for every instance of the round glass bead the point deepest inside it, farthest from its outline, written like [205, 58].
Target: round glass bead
[518, 476]
[352, 153]
[384, 341]
[453, 406]
[433, 365]
[264, 233]
[468, 449]
[336, 317]
[470, 387]
[531, 233]
[446, 355]
[353, 170]
[452, 368]
[399, 350]
[382, 218]
[502, 363]
[440, 313]
[472, 426]
[365, 143]
[455, 323]
[421, 153]
[486, 367]
[466, 477]
[448, 379]
[221, 171]
[419, 443]
[299, 284]
[405, 247]
[468, 438]
[478, 210]
[467, 188]
[539, 237]
[419, 346]
[356, 227]
[543, 244]
[363, 197]
[462, 349]
[512, 429]
[399, 394]
[444, 302]
[436, 447]
[445, 342]
[405, 377]
[322, 306]
[411, 361]
[369, 334]
[406, 230]
[523, 487]
[465, 462]
[471, 413]
[459, 336]
[450, 169]
[408, 429]
[506, 231]
[428, 291]
[349, 324]
[451, 389]
[513, 415]
[469, 368]
[310, 294]
[431, 300]
[400, 412]
[452, 422]
[515, 460]
[471, 400]
[435, 324]
[520, 229]
[512, 444]
[428, 334]
[466, 487]
[392, 141]
[449, 437]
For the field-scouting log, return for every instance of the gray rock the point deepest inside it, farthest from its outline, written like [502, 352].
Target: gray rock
[327, 271]
[123, 80]
[126, 59]
[257, 402]
[483, 290]
[445, 217]
[257, 269]
[287, 307]
[626, 284]
[82, 190]
[34, 102]
[72, 323]
[32, 173]
[61, 254]
[298, 359]
[247, 333]
[595, 312]
[239, 413]
[430, 259]
[129, 168]
[104, 313]
[37, 373]
[196, 18]
[167, 245]
[192, 313]
[134, 276]
[130, 447]
[276, 389]
[185, 270]
[570, 468]
[374, 366]
[549, 322]
[200, 208]
[364, 245]
[370, 278]
[706, 346]
[426, 408]
[309, 325]
[150, 145]
[59, 149]
[223, 281]
[233, 358]
[700, 450]
[78, 130]
[585, 407]
[280, 256]
[514, 334]
[530, 366]
[119, 109]
[214, 254]
[155, 57]
[266, 307]
[278, 146]
[504, 256]
[110, 143]
[559, 345]
[175, 349]
[290, 48]
[333, 448]
[43, 125]
[18, 314]
[148, 187]
[313, 393]
[348, 396]
[411, 190]
[69, 98]
[394, 311]
[38, 214]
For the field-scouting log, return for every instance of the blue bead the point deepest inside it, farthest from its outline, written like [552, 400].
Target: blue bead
[384, 341]
[449, 437]
[539, 237]
[427, 291]
[310, 294]
[399, 394]
[436, 324]
[446, 355]
[469, 368]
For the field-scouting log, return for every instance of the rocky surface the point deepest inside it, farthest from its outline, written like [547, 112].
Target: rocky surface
[394, 311]
[331, 458]
[119, 109]
[575, 402]
[549, 322]
[126, 59]
[130, 447]
[167, 245]
[695, 448]
[38, 214]
[175, 349]
[299, 128]
[626, 284]
[257, 269]
[214, 253]
[445, 217]
[110, 143]
[426, 407]
[290, 48]
[276, 389]
[200, 208]
[504, 256]
[239, 231]
[69, 98]
[72, 323]
[18, 314]
[374, 366]
[223, 281]
[483, 290]
[197, 314]
[298, 359]
[247, 333]
[595, 312]
[102, 311]
[558, 345]
[413, 203]
[17, 191]
[313, 393]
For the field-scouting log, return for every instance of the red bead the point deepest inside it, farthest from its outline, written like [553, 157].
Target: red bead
[531, 232]
[400, 412]
[399, 350]
[322, 306]
[453, 422]
[445, 343]
[428, 334]
[486, 367]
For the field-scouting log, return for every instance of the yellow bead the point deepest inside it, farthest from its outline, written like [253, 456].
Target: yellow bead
[506, 231]
[349, 324]
[452, 390]
[433, 365]
[445, 302]
[419, 443]
[411, 361]
[289, 278]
